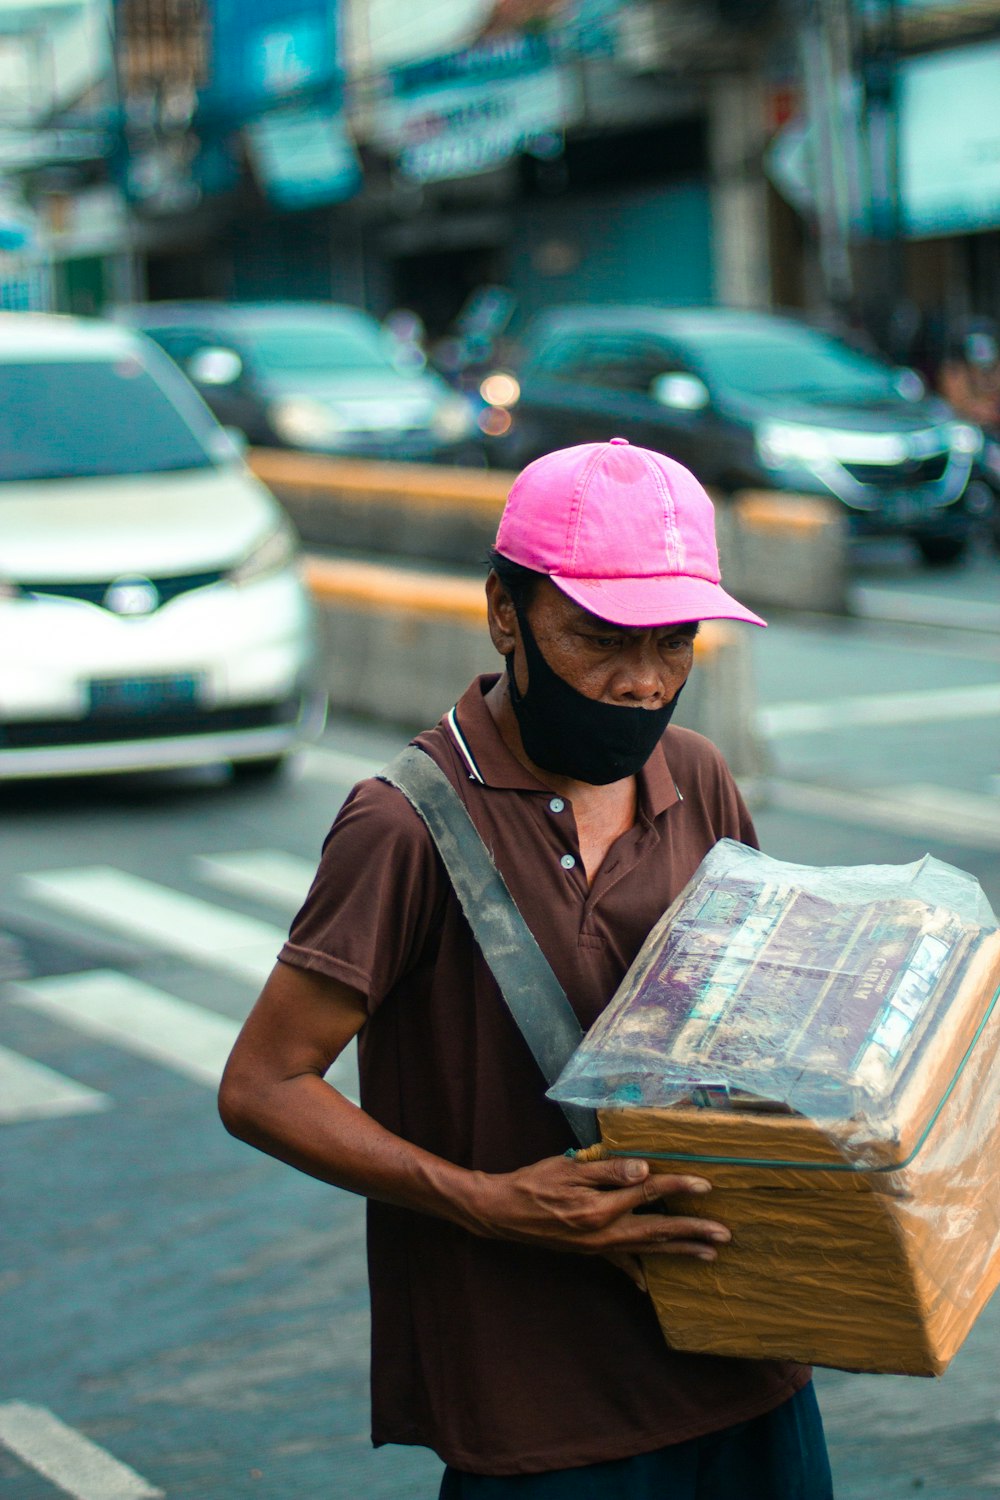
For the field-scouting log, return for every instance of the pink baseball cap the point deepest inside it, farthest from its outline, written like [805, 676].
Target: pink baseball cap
[626, 533]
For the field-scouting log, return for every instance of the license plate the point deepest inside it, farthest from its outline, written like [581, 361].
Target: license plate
[142, 695]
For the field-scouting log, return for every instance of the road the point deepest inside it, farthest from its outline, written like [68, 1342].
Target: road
[181, 1316]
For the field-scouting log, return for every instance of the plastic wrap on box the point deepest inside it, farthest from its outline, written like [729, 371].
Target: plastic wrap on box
[822, 1044]
[814, 989]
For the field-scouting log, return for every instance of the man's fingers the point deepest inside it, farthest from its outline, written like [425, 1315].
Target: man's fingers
[669, 1185]
[696, 1249]
[632, 1172]
[595, 1207]
[670, 1234]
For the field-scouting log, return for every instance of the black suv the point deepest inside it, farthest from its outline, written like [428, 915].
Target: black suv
[748, 399]
[319, 376]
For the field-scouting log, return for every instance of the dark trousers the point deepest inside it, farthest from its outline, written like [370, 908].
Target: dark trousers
[779, 1456]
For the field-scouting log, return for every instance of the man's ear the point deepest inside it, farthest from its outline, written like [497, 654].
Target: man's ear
[501, 615]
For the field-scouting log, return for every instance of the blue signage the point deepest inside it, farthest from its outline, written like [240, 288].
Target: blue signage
[950, 140]
[264, 52]
[303, 157]
[948, 131]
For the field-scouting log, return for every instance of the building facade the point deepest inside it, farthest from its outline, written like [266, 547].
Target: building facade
[826, 155]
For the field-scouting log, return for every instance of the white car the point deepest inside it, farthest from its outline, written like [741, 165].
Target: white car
[152, 613]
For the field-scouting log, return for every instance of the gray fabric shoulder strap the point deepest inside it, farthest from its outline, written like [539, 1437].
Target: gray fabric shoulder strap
[531, 990]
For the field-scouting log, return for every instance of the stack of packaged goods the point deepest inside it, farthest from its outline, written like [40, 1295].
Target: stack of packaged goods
[822, 1046]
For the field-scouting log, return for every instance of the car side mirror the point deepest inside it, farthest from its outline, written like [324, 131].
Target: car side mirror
[680, 392]
[215, 366]
[229, 444]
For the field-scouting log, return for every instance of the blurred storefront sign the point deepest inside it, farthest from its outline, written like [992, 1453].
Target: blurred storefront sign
[471, 111]
[949, 108]
[384, 34]
[265, 76]
[303, 156]
[269, 51]
[459, 132]
[948, 130]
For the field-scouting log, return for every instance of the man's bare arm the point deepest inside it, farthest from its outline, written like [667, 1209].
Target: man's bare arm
[274, 1096]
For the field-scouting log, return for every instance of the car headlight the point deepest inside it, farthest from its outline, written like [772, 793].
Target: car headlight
[452, 420]
[500, 389]
[305, 422]
[964, 438]
[270, 555]
[780, 443]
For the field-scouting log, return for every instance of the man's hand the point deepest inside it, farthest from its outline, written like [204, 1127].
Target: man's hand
[589, 1207]
[274, 1096]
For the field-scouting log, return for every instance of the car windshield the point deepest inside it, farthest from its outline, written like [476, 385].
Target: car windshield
[316, 347]
[90, 417]
[793, 362]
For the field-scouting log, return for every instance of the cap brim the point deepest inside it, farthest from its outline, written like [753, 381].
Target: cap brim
[664, 600]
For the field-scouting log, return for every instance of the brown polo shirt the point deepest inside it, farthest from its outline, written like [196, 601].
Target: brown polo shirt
[506, 1359]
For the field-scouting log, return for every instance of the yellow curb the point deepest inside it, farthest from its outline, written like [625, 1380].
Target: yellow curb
[480, 492]
[366, 480]
[378, 589]
[372, 587]
[773, 512]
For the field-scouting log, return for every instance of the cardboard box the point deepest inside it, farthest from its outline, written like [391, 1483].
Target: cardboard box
[867, 1238]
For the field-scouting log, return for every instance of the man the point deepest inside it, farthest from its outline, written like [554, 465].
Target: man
[509, 1333]
[969, 375]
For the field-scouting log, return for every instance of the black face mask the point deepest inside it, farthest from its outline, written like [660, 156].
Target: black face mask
[569, 734]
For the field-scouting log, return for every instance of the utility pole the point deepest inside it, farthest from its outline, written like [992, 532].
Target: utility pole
[825, 35]
[879, 63]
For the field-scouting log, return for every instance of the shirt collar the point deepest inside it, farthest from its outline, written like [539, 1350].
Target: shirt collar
[497, 765]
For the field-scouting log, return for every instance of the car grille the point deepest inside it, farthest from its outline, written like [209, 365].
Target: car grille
[102, 729]
[900, 476]
[93, 593]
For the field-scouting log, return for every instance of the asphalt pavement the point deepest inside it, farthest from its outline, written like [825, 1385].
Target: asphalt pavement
[181, 1316]
[884, 735]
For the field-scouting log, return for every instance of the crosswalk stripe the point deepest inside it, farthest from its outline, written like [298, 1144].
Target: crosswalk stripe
[236, 944]
[923, 609]
[319, 763]
[68, 1459]
[151, 1024]
[926, 811]
[267, 875]
[31, 1091]
[938, 706]
[136, 1017]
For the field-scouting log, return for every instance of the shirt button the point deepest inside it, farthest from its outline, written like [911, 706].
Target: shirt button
[556, 805]
[567, 861]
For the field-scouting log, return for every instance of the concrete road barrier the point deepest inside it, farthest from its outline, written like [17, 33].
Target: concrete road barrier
[428, 511]
[401, 646]
[784, 551]
[779, 551]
